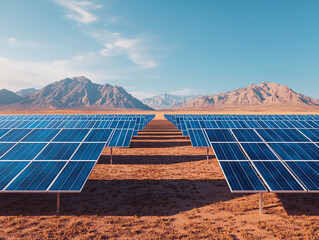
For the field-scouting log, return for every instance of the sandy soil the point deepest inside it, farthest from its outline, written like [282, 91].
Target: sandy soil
[159, 188]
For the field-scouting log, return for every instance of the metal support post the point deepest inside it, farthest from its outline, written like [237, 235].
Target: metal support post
[261, 203]
[207, 154]
[111, 156]
[58, 204]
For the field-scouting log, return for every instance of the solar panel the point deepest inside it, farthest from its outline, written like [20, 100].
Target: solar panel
[272, 145]
[56, 153]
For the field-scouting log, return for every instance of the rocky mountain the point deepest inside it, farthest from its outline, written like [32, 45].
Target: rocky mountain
[8, 97]
[167, 101]
[80, 92]
[26, 92]
[262, 94]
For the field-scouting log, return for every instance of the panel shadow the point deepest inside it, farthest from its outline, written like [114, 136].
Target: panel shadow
[122, 198]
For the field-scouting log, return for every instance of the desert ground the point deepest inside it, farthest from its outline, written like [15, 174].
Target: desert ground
[159, 188]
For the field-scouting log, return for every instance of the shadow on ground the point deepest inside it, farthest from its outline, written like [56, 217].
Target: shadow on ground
[122, 198]
[300, 203]
[161, 159]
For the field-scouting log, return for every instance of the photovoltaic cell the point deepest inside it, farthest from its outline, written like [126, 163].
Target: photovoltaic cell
[37, 176]
[4, 147]
[219, 135]
[41, 135]
[15, 135]
[277, 177]
[312, 134]
[228, 151]
[296, 151]
[73, 176]
[307, 172]
[71, 135]
[57, 151]
[241, 176]
[246, 135]
[98, 135]
[8, 170]
[258, 151]
[24, 151]
[89, 151]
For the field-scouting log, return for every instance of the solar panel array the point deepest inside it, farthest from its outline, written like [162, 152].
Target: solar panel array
[56, 153]
[276, 153]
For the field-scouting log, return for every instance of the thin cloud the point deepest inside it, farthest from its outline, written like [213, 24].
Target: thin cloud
[15, 42]
[17, 74]
[79, 10]
[135, 49]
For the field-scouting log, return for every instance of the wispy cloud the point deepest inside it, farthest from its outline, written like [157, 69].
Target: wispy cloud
[18, 74]
[79, 10]
[15, 42]
[136, 49]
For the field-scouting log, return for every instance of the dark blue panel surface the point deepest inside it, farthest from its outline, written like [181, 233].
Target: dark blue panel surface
[277, 177]
[219, 135]
[128, 138]
[241, 176]
[258, 151]
[37, 176]
[307, 172]
[3, 131]
[228, 151]
[282, 135]
[4, 147]
[89, 151]
[24, 151]
[73, 176]
[198, 138]
[114, 138]
[9, 170]
[15, 135]
[246, 135]
[296, 151]
[71, 135]
[58, 151]
[312, 134]
[98, 135]
[41, 135]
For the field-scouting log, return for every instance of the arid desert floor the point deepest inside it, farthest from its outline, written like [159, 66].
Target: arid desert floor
[159, 188]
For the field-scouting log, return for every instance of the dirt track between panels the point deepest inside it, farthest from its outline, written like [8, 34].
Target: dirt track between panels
[159, 188]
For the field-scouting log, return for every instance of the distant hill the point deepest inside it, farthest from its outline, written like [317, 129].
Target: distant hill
[79, 92]
[26, 92]
[167, 101]
[8, 97]
[262, 94]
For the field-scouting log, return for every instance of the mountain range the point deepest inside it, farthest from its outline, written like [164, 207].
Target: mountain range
[82, 93]
[77, 92]
[167, 101]
[254, 95]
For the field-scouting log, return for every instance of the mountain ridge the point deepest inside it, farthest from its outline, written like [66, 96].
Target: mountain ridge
[79, 92]
[253, 95]
[167, 101]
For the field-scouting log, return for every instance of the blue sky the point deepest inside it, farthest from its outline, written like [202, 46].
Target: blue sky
[151, 47]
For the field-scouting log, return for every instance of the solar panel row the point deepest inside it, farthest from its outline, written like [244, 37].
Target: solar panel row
[56, 153]
[278, 152]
